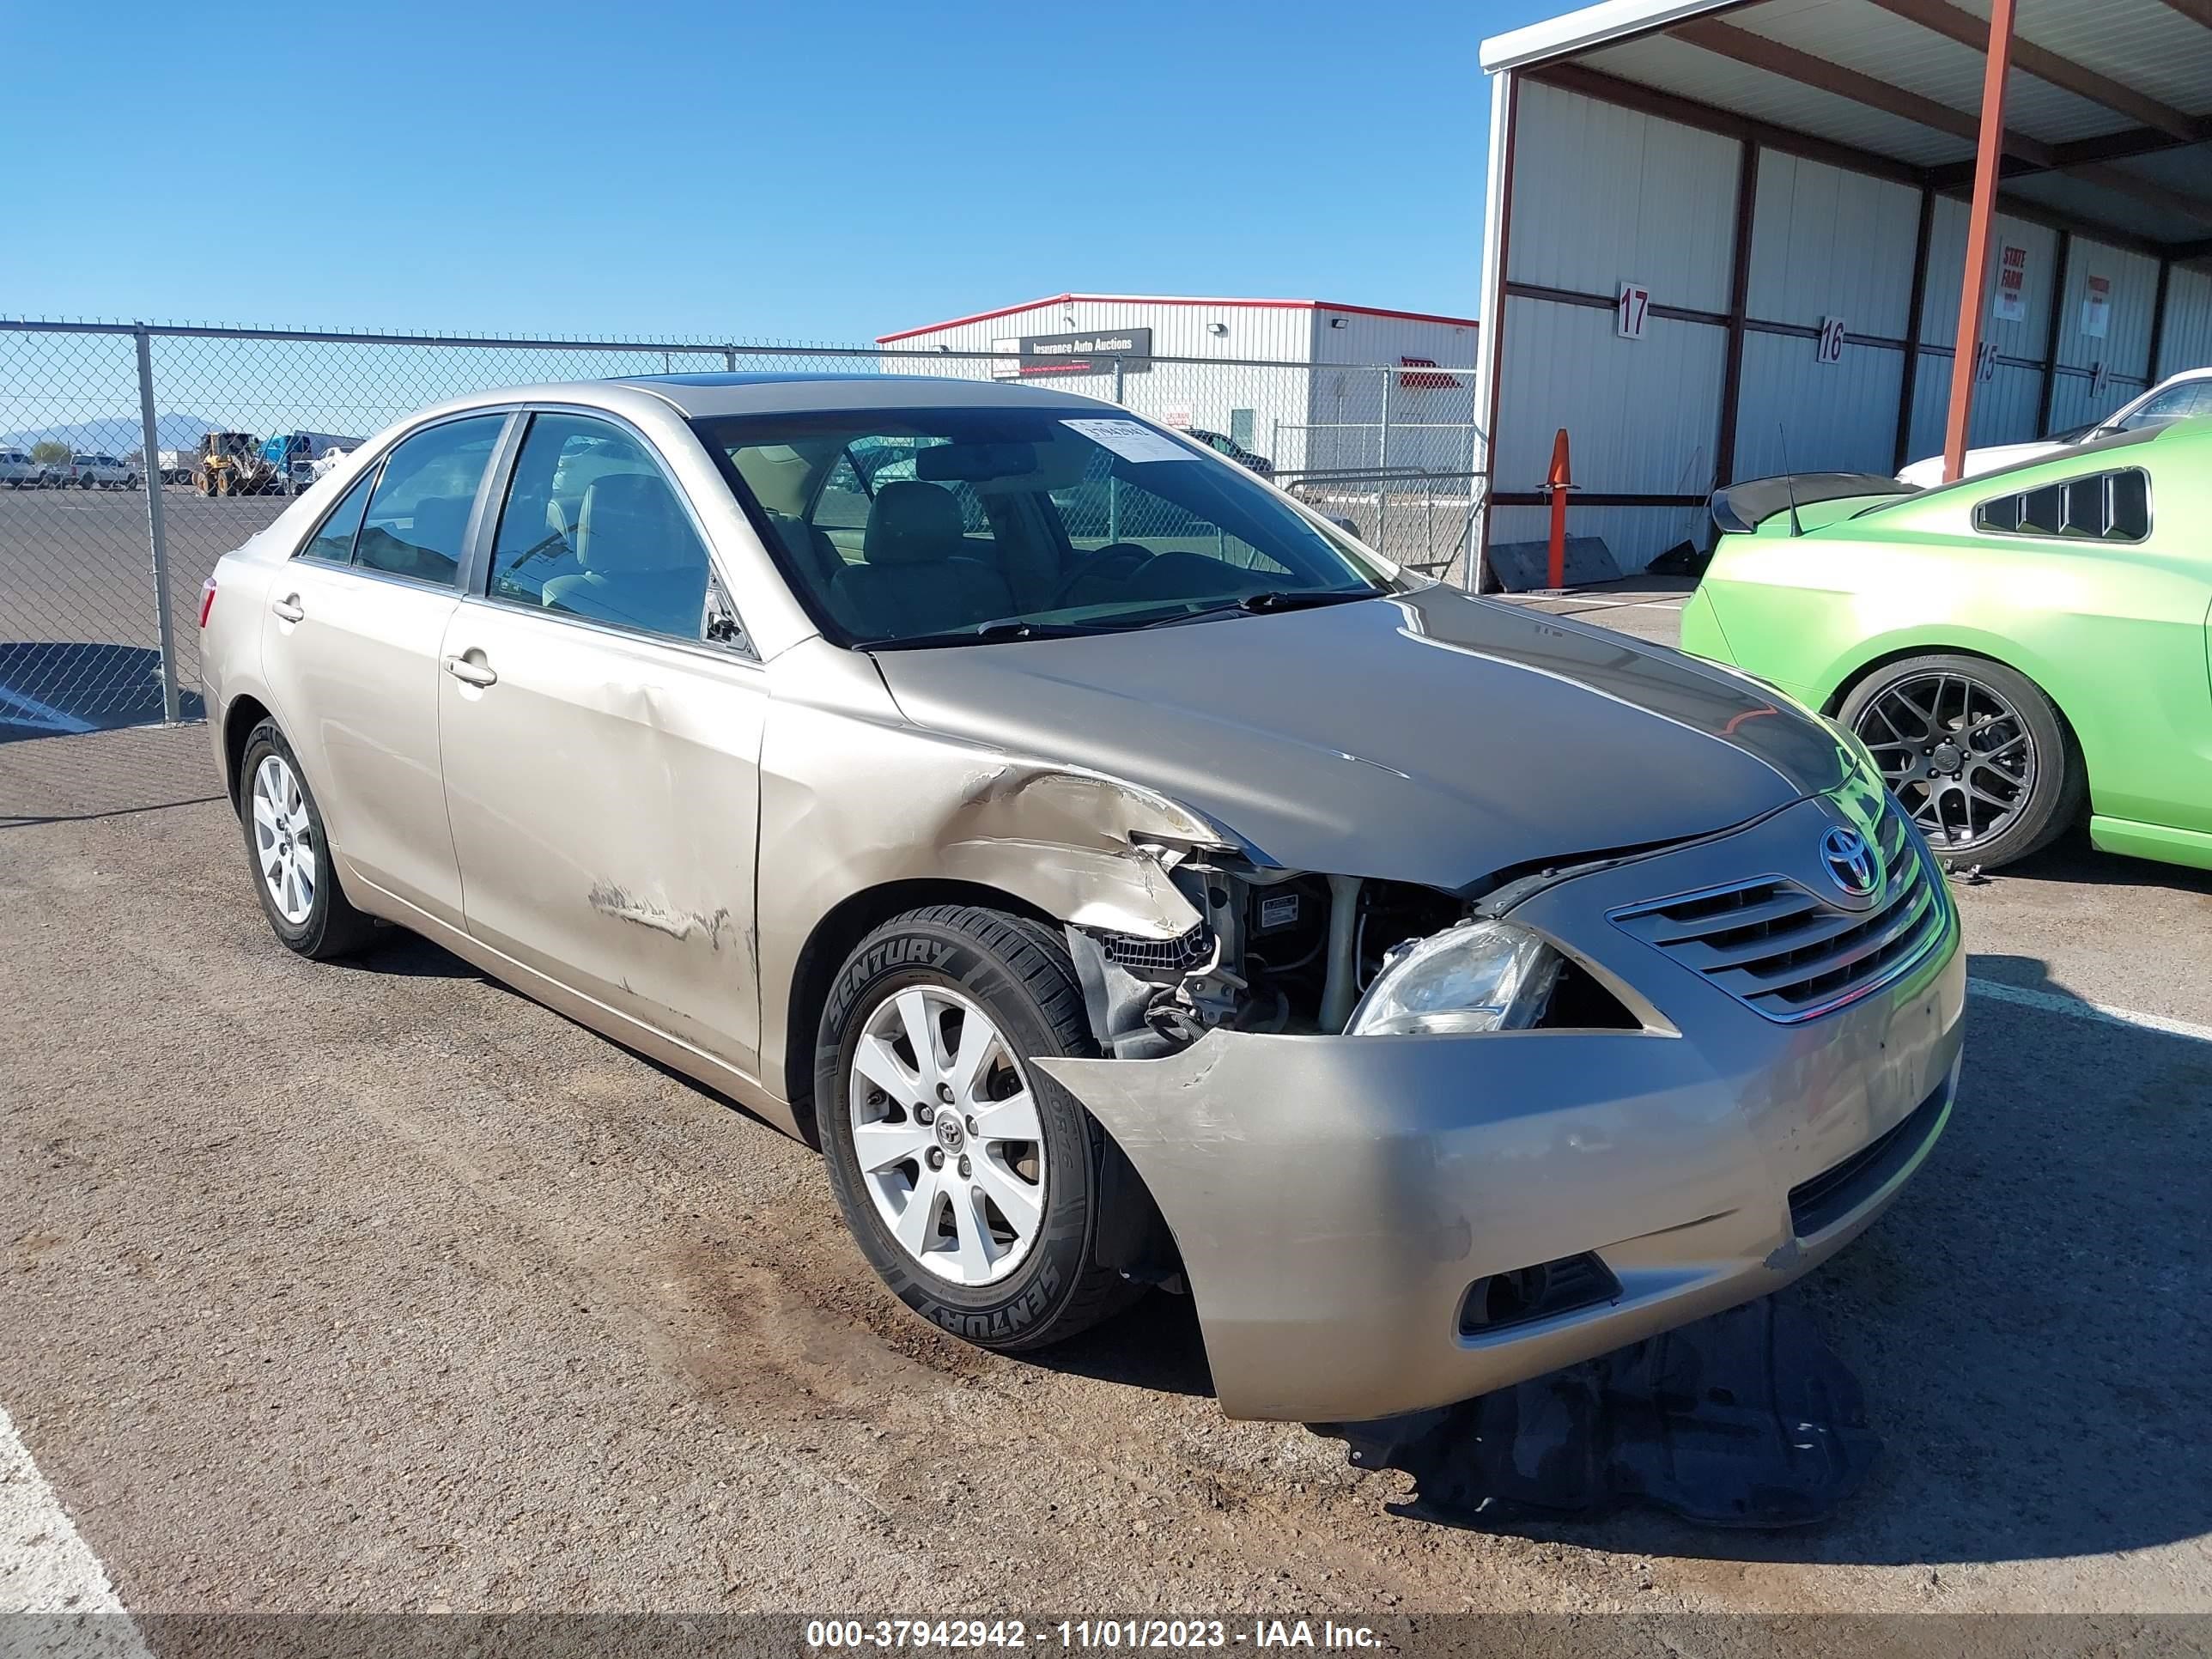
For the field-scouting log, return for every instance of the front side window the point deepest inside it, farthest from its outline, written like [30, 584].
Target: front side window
[333, 543]
[591, 527]
[418, 519]
[906, 526]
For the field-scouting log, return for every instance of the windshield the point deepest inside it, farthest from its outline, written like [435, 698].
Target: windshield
[942, 526]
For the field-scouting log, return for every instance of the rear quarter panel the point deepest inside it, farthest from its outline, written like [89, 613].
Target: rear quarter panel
[230, 645]
[2114, 633]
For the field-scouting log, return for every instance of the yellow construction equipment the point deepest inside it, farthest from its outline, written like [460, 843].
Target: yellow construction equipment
[230, 464]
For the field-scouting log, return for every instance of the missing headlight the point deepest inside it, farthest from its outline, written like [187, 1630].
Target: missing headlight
[1580, 1002]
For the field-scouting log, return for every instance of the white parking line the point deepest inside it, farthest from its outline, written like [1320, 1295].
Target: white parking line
[46, 1568]
[2051, 1002]
[40, 714]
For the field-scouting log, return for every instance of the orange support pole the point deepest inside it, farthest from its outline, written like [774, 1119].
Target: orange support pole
[1559, 482]
[1989, 162]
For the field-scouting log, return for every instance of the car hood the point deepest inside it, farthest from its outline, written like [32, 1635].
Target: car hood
[1426, 737]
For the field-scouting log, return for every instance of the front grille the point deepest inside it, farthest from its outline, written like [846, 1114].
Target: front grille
[1829, 1197]
[1779, 948]
[1158, 955]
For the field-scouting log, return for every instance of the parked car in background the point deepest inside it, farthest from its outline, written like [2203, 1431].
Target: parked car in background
[2012, 649]
[102, 471]
[291, 456]
[19, 471]
[1090, 848]
[327, 462]
[2177, 397]
[1223, 445]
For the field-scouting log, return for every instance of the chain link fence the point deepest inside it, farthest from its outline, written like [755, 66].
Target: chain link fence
[133, 456]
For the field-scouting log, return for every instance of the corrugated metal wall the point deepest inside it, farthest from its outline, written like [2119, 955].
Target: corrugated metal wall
[1828, 243]
[2187, 341]
[2111, 370]
[1825, 243]
[2005, 404]
[1797, 414]
[1651, 530]
[1641, 414]
[1602, 194]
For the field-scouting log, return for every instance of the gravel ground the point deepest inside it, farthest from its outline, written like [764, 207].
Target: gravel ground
[379, 1287]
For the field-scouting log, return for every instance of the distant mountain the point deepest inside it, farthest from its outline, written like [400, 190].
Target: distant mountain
[118, 434]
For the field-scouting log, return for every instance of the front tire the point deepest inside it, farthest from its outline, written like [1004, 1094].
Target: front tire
[294, 875]
[1976, 754]
[970, 1179]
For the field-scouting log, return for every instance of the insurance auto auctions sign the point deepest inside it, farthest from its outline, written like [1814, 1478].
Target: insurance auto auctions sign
[1091, 351]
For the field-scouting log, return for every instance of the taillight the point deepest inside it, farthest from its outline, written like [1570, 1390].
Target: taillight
[207, 599]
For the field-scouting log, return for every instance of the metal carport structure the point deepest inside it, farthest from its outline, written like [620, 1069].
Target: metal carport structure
[1846, 233]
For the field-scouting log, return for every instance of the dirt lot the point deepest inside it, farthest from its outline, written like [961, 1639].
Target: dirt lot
[379, 1287]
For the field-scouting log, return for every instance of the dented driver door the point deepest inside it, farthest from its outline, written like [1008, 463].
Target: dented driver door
[604, 790]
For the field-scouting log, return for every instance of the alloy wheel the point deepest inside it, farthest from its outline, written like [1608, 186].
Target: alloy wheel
[946, 1133]
[1955, 752]
[284, 840]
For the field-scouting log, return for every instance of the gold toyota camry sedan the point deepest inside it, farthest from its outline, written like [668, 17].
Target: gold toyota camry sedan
[1125, 878]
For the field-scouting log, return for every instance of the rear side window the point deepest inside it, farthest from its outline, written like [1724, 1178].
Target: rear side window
[418, 514]
[2103, 507]
[333, 543]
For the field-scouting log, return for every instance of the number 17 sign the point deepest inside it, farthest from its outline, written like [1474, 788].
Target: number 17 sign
[1630, 311]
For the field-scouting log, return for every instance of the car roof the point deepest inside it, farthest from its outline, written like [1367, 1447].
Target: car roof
[772, 392]
[705, 396]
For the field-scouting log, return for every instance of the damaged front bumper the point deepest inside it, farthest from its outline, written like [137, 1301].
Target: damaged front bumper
[1346, 1208]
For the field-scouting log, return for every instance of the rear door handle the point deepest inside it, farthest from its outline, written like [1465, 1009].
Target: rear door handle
[289, 608]
[470, 673]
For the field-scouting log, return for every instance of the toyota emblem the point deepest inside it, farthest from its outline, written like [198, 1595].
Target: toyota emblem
[1852, 862]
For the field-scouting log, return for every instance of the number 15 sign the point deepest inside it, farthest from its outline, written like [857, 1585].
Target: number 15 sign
[1630, 311]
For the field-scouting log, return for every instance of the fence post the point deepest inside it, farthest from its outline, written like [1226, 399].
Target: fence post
[150, 474]
[1113, 480]
[1382, 464]
[730, 358]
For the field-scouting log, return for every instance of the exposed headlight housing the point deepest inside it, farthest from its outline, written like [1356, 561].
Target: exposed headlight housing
[1478, 976]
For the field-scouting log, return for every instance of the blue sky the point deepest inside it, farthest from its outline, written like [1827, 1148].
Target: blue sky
[823, 172]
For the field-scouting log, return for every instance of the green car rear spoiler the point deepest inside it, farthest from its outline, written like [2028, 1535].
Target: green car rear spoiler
[1741, 508]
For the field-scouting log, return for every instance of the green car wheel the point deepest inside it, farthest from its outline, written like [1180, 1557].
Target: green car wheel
[1975, 752]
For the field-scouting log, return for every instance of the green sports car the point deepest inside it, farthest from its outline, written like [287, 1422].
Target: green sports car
[2012, 648]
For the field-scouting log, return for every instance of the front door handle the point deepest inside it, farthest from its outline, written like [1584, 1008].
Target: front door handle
[470, 673]
[289, 608]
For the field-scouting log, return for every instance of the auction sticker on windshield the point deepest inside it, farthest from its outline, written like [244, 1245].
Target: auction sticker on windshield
[1131, 441]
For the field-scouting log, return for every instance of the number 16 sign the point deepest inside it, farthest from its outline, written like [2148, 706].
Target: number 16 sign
[1630, 311]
